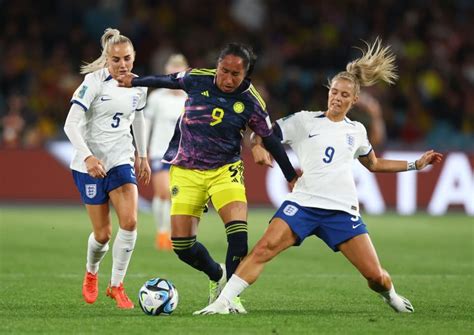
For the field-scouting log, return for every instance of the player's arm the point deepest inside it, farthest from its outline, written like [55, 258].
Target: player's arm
[374, 164]
[160, 81]
[95, 167]
[272, 143]
[139, 133]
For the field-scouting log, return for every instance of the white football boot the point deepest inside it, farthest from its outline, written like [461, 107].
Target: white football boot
[400, 304]
[220, 306]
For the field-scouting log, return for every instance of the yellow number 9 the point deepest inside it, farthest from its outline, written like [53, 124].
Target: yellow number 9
[217, 115]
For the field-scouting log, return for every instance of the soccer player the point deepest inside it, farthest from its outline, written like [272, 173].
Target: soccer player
[98, 126]
[163, 110]
[205, 156]
[324, 201]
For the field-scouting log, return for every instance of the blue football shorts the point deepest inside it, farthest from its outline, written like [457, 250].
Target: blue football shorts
[95, 191]
[332, 226]
[157, 165]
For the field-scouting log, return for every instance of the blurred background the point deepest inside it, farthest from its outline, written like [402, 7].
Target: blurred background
[300, 45]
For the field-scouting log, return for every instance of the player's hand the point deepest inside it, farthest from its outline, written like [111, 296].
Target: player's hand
[144, 171]
[95, 168]
[429, 157]
[125, 80]
[292, 183]
[261, 156]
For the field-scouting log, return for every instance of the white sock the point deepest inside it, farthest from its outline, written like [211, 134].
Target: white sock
[234, 287]
[390, 294]
[121, 254]
[164, 225]
[95, 253]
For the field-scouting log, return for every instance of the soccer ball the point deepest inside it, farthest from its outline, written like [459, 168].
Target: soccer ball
[158, 296]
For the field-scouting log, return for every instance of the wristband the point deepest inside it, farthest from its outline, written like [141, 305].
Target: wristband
[411, 166]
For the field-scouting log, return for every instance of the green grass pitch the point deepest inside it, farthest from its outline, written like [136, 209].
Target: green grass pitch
[306, 290]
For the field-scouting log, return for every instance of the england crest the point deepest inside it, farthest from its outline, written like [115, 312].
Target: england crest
[91, 190]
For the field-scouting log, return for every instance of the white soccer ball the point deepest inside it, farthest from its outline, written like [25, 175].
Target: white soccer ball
[158, 296]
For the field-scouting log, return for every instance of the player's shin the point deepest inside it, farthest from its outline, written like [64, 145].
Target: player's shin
[237, 245]
[196, 255]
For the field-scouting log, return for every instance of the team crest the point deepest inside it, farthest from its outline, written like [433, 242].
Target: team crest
[174, 191]
[239, 107]
[350, 140]
[91, 190]
[134, 101]
[290, 210]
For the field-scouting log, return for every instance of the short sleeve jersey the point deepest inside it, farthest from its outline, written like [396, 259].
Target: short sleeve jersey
[162, 112]
[326, 151]
[208, 134]
[109, 113]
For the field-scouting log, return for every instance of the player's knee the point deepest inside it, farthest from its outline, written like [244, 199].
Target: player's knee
[263, 252]
[129, 223]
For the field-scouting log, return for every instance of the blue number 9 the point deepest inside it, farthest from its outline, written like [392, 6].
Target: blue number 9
[329, 154]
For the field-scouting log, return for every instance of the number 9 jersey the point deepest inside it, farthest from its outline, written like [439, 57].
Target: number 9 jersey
[109, 112]
[208, 134]
[326, 151]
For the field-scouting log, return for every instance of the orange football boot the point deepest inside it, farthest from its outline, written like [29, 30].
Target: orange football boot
[163, 242]
[118, 294]
[90, 287]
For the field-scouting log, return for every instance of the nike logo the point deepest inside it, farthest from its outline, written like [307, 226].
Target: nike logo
[105, 99]
[312, 135]
[128, 250]
[355, 226]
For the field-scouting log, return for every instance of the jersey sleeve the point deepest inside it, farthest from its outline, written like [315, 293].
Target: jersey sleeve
[365, 147]
[259, 120]
[86, 92]
[291, 127]
[142, 100]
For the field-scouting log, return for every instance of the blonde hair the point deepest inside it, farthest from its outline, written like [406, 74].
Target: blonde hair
[177, 60]
[377, 63]
[110, 37]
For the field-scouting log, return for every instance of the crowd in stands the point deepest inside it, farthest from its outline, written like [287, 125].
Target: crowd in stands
[300, 45]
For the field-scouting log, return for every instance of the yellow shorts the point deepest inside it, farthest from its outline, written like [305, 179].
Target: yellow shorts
[191, 189]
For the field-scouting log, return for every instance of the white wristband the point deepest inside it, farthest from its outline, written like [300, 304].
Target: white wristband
[411, 166]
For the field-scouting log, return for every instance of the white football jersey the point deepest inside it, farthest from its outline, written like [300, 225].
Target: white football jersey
[326, 151]
[110, 111]
[162, 111]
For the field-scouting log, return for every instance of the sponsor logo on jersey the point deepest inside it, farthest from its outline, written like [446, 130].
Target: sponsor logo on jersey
[290, 210]
[105, 98]
[312, 135]
[205, 93]
[91, 190]
[239, 107]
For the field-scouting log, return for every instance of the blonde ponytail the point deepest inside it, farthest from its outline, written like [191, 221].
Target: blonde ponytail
[110, 37]
[377, 63]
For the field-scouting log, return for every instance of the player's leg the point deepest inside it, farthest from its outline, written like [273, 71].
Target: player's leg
[189, 197]
[161, 205]
[97, 247]
[125, 201]
[95, 198]
[360, 251]
[191, 251]
[277, 237]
